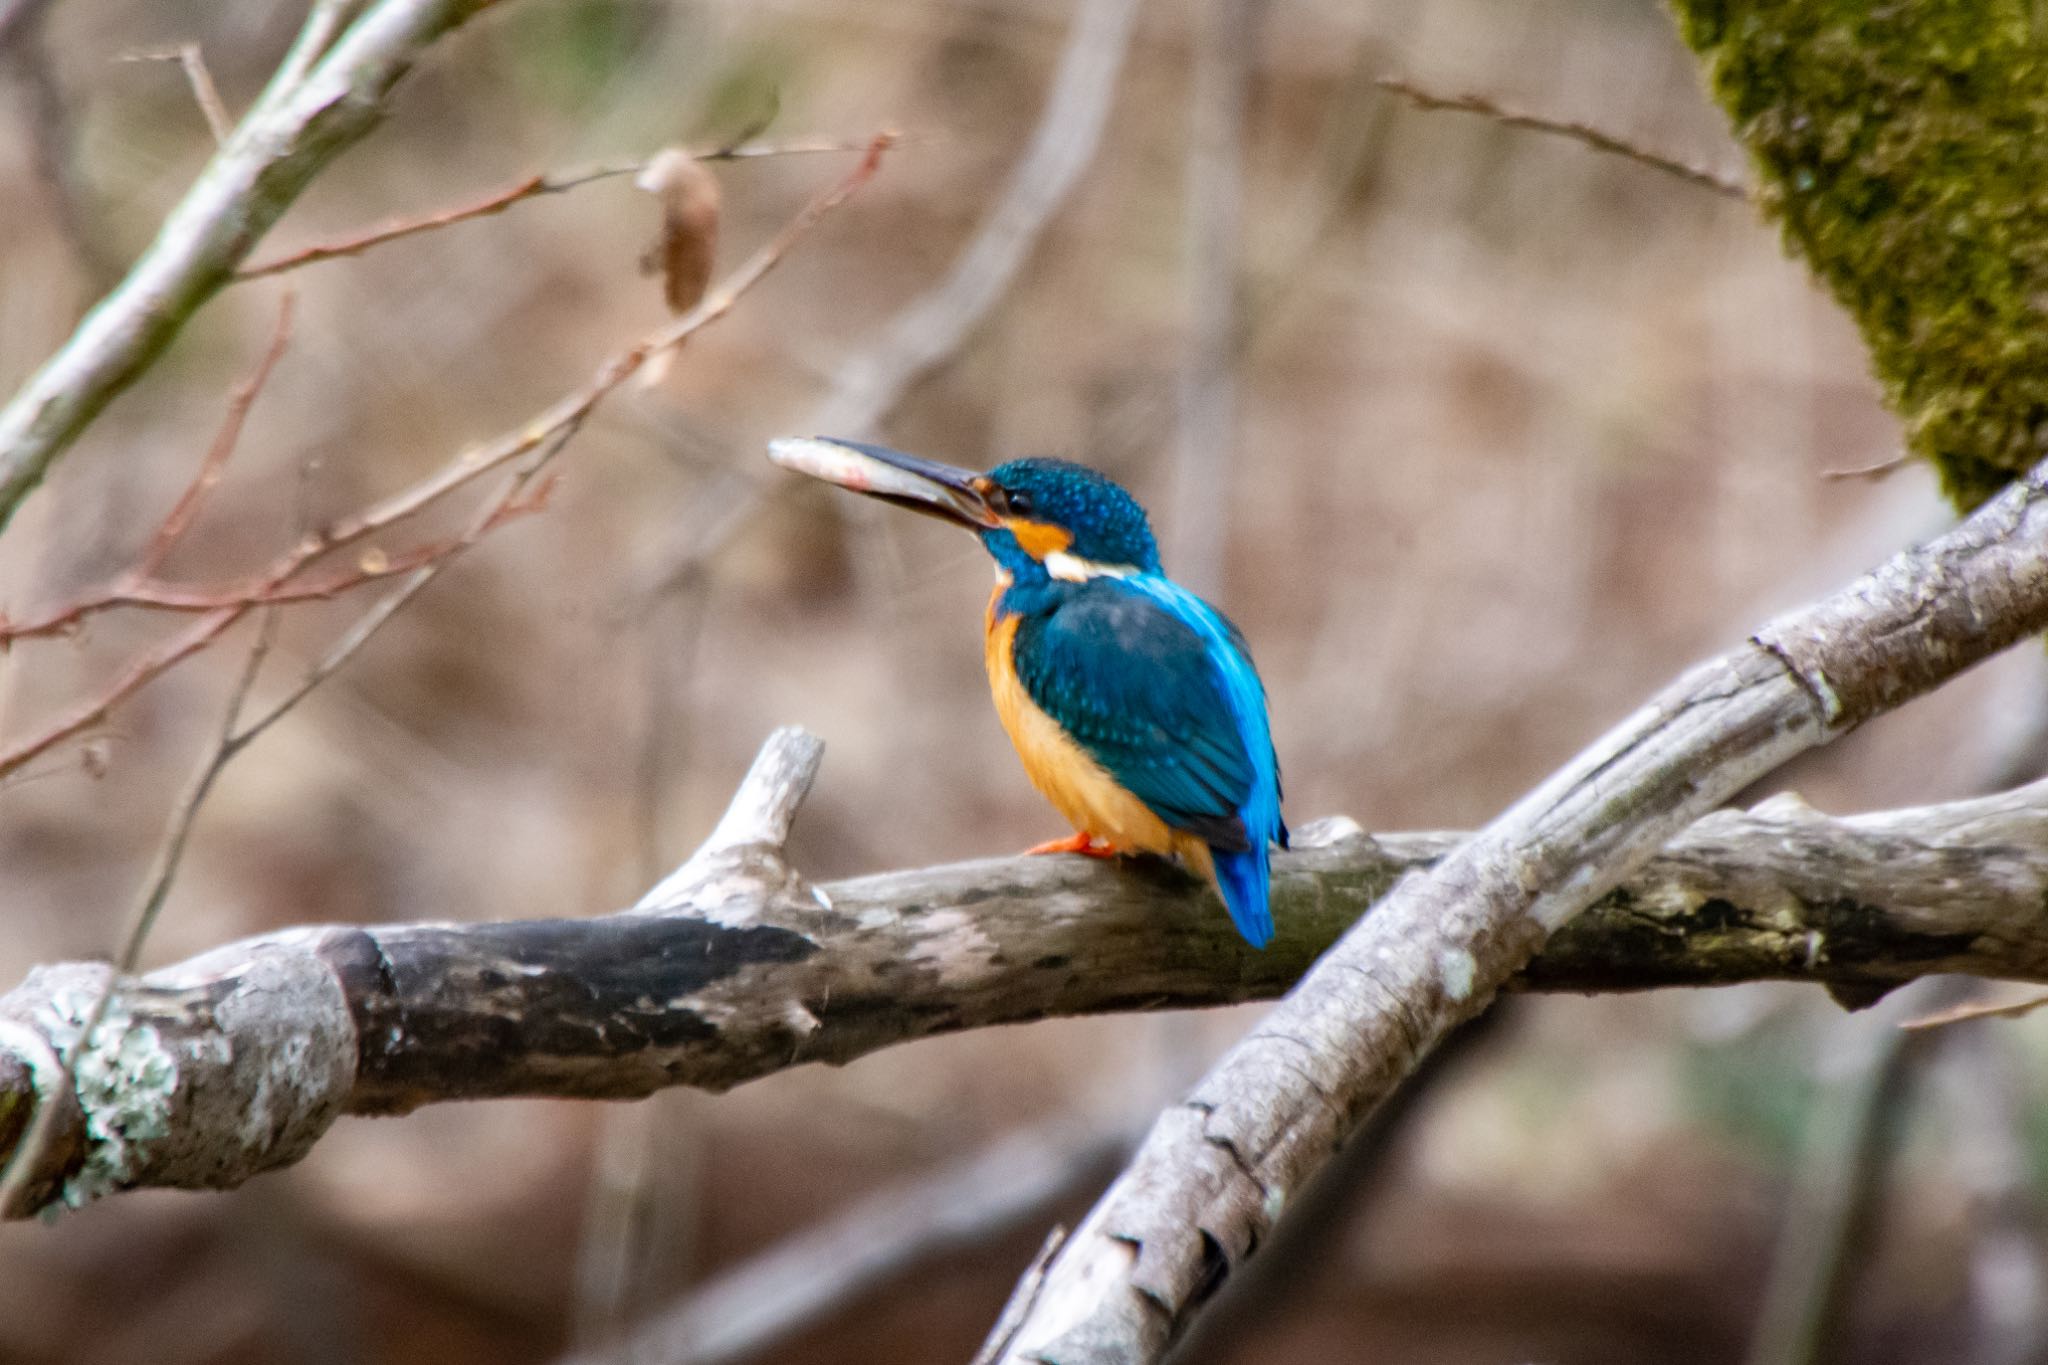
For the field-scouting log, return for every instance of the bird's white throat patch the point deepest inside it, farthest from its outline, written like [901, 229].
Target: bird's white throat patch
[1074, 569]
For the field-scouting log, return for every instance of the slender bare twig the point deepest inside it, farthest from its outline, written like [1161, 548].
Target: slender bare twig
[1966, 1010]
[1584, 133]
[286, 140]
[1225, 52]
[204, 92]
[179, 519]
[262, 590]
[531, 187]
[1877, 469]
[565, 414]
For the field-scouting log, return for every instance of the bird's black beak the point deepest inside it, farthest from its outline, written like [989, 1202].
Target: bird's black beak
[939, 490]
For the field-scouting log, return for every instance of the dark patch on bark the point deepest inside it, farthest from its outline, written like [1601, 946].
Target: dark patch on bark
[1714, 914]
[1211, 1272]
[503, 1009]
[64, 1149]
[1853, 932]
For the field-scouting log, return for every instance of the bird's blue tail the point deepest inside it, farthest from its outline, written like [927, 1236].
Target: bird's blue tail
[1244, 878]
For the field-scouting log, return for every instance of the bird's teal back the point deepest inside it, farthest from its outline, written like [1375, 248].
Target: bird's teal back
[1157, 687]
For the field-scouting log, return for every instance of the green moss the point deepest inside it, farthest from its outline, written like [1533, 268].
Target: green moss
[1904, 148]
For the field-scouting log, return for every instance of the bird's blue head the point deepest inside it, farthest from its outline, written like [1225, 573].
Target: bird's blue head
[1035, 516]
[1059, 508]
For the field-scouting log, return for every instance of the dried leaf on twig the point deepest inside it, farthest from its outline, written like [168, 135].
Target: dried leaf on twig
[690, 206]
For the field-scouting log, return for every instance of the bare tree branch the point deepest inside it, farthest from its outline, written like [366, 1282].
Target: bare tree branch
[286, 140]
[532, 187]
[1584, 134]
[733, 967]
[1219, 1167]
[53, 140]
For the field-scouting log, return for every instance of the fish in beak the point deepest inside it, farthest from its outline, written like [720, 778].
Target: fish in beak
[939, 490]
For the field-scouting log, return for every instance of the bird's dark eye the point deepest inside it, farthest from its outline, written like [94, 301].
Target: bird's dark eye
[1018, 501]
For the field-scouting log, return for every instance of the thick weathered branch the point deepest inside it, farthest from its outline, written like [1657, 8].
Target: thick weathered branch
[1219, 1167]
[299, 126]
[732, 968]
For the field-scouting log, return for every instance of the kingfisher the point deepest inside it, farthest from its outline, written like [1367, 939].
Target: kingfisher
[1133, 703]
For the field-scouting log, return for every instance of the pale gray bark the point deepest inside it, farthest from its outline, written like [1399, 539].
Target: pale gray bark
[319, 104]
[1220, 1167]
[208, 1072]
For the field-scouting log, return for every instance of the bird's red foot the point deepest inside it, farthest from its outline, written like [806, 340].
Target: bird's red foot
[1083, 843]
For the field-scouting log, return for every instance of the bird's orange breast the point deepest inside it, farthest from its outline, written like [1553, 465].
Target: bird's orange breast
[1064, 773]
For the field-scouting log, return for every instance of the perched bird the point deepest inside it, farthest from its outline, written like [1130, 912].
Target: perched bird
[1132, 702]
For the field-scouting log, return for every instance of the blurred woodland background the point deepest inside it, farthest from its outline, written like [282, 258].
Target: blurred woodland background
[1519, 430]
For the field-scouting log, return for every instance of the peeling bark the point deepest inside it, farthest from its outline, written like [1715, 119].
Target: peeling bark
[235, 1062]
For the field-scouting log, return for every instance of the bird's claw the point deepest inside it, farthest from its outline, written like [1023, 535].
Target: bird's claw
[1083, 843]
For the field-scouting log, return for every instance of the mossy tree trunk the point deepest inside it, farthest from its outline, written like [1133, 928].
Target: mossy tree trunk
[1904, 148]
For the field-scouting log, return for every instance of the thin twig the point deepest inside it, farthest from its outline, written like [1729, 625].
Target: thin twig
[179, 519]
[1212, 274]
[204, 92]
[1974, 1009]
[164, 870]
[564, 414]
[532, 187]
[1584, 133]
[265, 589]
[1878, 470]
[492, 514]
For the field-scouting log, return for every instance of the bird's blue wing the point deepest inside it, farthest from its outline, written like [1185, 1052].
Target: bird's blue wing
[1159, 690]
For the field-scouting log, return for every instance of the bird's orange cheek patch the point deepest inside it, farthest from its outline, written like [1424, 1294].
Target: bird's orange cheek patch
[1039, 538]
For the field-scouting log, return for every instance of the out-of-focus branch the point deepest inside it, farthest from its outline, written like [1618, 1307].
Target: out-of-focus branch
[734, 967]
[52, 139]
[285, 141]
[1064, 142]
[1219, 1168]
[1225, 52]
[1853, 1132]
[1012, 1184]
[282, 581]
[1585, 134]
